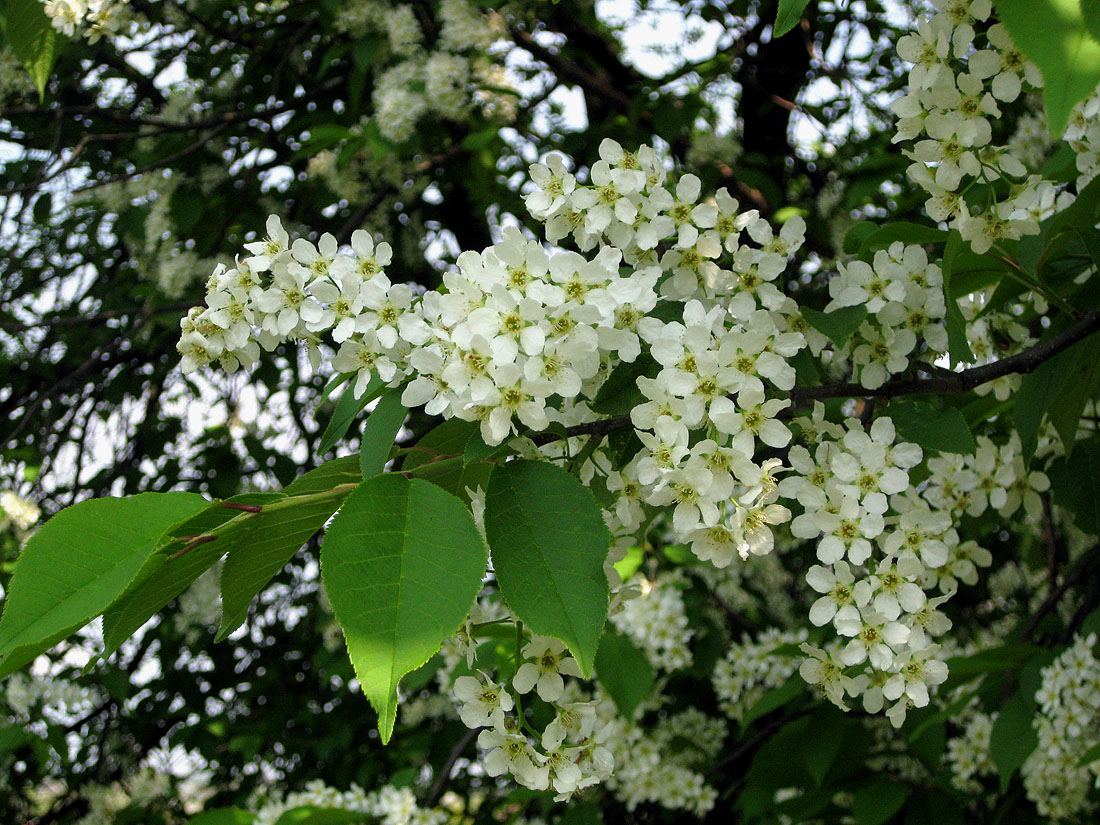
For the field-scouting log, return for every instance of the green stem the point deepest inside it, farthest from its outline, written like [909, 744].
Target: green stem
[339, 491]
[1017, 273]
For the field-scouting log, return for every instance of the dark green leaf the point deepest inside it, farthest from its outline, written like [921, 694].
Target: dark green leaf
[788, 15]
[309, 815]
[775, 698]
[877, 801]
[1012, 739]
[1090, 11]
[347, 408]
[994, 660]
[957, 343]
[619, 393]
[908, 233]
[930, 806]
[150, 593]
[379, 432]
[838, 325]
[1075, 483]
[854, 237]
[32, 38]
[223, 816]
[1082, 374]
[549, 543]
[944, 430]
[268, 540]
[1089, 756]
[826, 731]
[477, 450]
[624, 671]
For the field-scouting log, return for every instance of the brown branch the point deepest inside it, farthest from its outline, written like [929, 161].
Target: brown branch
[1072, 577]
[440, 784]
[570, 71]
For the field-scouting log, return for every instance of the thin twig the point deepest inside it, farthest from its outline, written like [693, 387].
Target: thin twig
[435, 793]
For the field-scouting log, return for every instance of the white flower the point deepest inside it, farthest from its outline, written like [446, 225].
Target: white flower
[511, 753]
[543, 672]
[839, 589]
[915, 673]
[483, 701]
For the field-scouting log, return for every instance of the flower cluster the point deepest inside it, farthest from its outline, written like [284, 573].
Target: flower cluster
[656, 622]
[879, 549]
[17, 512]
[992, 334]
[32, 696]
[681, 294]
[664, 764]
[1083, 136]
[751, 667]
[904, 297]
[91, 18]
[568, 755]
[454, 76]
[968, 754]
[515, 326]
[1066, 725]
[994, 477]
[389, 804]
[962, 72]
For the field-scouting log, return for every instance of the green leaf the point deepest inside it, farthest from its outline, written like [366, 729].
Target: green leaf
[477, 450]
[310, 815]
[78, 563]
[854, 237]
[448, 440]
[1037, 388]
[787, 16]
[33, 39]
[582, 813]
[1078, 386]
[402, 563]
[1075, 482]
[224, 816]
[619, 393]
[838, 325]
[1034, 251]
[1089, 756]
[931, 806]
[1090, 11]
[1012, 739]
[265, 542]
[944, 430]
[995, 660]
[440, 457]
[827, 728]
[379, 432]
[150, 593]
[628, 566]
[347, 408]
[624, 671]
[908, 233]
[775, 698]
[549, 543]
[1059, 389]
[877, 801]
[1067, 57]
[957, 343]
